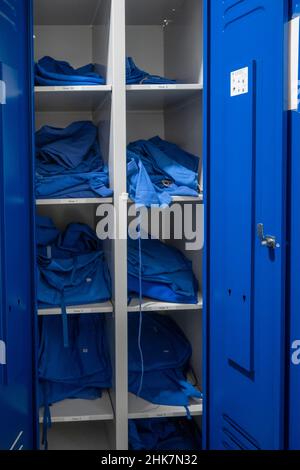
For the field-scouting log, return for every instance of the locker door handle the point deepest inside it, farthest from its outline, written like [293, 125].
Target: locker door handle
[268, 241]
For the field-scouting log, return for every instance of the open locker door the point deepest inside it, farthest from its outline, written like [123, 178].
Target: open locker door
[245, 222]
[294, 252]
[17, 416]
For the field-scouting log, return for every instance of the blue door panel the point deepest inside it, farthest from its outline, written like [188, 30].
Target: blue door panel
[239, 194]
[294, 346]
[246, 186]
[294, 336]
[17, 413]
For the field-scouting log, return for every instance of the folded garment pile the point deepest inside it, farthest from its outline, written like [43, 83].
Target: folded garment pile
[81, 371]
[164, 434]
[160, 374]
[69, 163]
[166, 274]
[158, 170]
[51, 72]
[134, 75]
[72, 269]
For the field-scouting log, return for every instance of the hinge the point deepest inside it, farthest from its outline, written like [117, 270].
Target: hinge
[2, 353]
[2, 92]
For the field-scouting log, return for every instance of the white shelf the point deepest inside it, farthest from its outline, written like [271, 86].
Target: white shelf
[142, 409]
[180, 199]
[61, 202]
[70, 98]
[155, 97]
[104, 307]
[68, 411]
[150, 305]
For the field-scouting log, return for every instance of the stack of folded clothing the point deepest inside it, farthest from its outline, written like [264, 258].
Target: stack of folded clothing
[134, 75]
[51, 72]
[164, 434]
[159, 375]
[81, 371]
[69, 163]
[158, 170]
[72, 269]
[166, 273]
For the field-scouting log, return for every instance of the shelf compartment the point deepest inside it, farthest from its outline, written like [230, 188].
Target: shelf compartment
[62, 202]
[142, 409]
[70, 98]
[155, 97]
[103, 307]
[68, 411]
[150, 305]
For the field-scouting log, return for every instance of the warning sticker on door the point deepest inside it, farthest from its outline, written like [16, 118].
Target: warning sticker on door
[239, 82]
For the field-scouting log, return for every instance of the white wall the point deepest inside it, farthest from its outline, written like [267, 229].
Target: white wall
[70, 43]
[145, 44]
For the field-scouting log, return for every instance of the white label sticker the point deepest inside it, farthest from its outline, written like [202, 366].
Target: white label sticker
[239, 83]
[163, 87]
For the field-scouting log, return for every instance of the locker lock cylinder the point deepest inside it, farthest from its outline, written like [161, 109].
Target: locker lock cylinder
[268, 241]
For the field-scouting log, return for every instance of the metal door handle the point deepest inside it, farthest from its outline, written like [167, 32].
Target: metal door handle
[266, 240]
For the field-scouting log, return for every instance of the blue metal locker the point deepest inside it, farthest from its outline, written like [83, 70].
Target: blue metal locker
[294, 337]
[17, 410]
[246, 148]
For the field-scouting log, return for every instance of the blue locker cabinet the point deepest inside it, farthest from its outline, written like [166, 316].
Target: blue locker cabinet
[251, 334]
[246, 154]
[17, 397]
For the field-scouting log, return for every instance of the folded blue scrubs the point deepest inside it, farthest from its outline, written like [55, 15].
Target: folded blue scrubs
[134, 75]
[167, 274]
[158, 170]
[81, 371]
[166, 357]
[51, 72]
[69, 163]
[72, 269]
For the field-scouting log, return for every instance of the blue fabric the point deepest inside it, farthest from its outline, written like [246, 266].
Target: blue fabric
[158, 170]
[71, 268]
[182, 157]
[134, 75]
[166, 356]
[46, 233]
[81, 371]
[83, 279]
[51, 72]
[69, 162]
[164, 434]
[167, 274]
